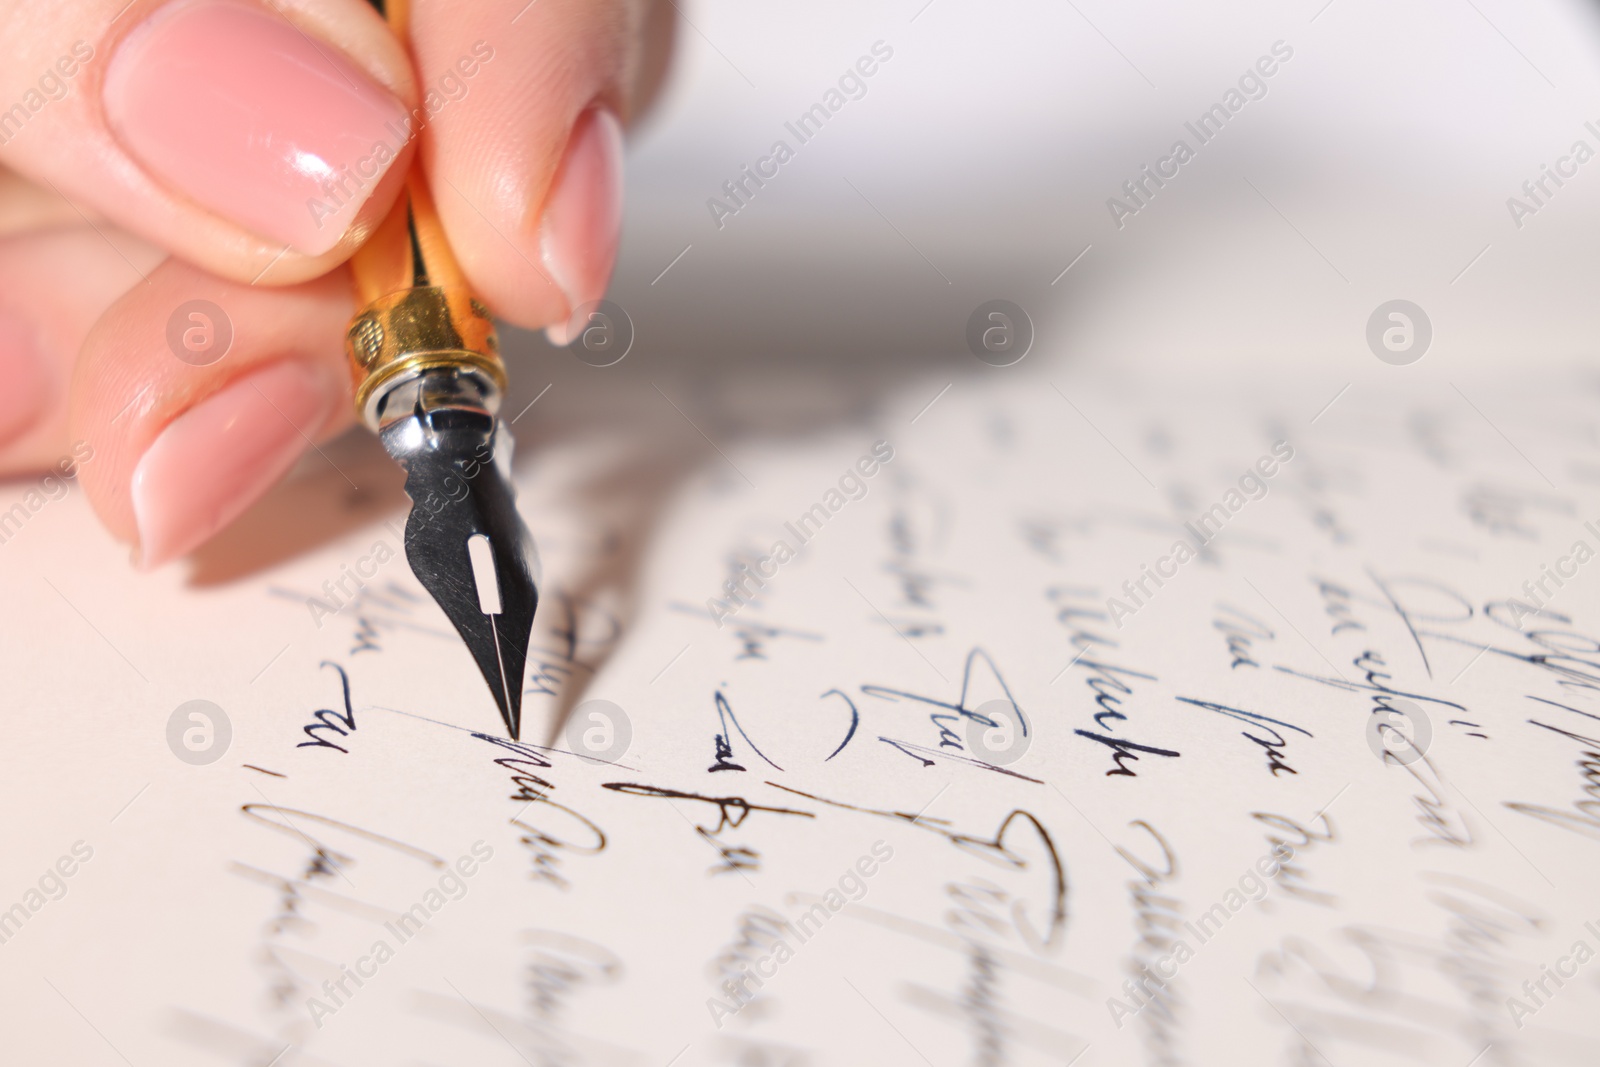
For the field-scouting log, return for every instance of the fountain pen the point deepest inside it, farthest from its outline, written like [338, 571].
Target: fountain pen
[428, 381]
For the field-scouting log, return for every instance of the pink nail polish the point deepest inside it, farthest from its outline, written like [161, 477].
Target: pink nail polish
[583, 214]
[215, 459]
[232, 105]
[26, 377]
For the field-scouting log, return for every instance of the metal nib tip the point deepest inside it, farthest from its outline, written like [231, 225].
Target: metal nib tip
[465, 541]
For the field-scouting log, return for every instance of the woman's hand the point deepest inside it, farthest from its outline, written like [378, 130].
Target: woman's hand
[258, 142]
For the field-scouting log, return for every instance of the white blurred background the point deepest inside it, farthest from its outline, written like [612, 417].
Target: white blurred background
[980, 161]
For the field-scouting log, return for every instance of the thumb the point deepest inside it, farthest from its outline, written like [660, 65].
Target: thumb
[523, 148]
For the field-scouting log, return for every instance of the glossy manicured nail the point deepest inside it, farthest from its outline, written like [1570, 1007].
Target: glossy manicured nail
[215, 459]
[24, 378]
[232, 105]
[583, 214]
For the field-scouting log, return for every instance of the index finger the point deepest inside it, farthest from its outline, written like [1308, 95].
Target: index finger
[261, 141]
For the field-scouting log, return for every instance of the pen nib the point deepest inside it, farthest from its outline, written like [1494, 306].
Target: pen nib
[465, 541]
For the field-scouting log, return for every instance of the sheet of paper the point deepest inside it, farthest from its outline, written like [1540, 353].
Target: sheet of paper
[1020, 722]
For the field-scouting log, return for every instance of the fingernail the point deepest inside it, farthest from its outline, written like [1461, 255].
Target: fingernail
[237, 108]
[23, 369]
[583, 214]
[215, 459]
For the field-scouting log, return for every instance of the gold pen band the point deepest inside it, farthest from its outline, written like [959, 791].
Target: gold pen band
[406, 333]
[419, 315]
